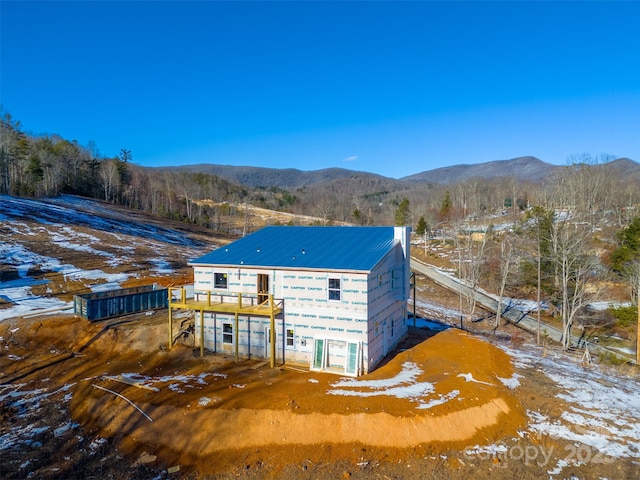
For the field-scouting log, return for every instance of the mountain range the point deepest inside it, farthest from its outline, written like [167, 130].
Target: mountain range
[525, 168]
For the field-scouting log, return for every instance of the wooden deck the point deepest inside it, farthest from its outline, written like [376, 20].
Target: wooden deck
[235, 303]
[263, 309]
[232, 303]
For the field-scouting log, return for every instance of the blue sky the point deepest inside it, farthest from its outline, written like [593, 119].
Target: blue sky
[393, 88]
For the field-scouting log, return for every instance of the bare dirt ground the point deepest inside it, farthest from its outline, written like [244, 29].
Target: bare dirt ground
[446, 405]
[213, 418]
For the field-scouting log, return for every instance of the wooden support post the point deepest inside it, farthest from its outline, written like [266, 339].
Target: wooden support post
[412, 283]
[202, 333]
[236, 335]
[235, 328]
[170, 322]
[273, 334]
[638, 335]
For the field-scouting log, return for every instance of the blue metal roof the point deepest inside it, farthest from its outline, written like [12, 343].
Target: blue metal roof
[325, 248]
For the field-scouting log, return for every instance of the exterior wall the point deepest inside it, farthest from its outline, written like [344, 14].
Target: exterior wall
[312, 314]
[388, 294]
[238, 280]
[252, 330]
[370, 311]
[308, 311]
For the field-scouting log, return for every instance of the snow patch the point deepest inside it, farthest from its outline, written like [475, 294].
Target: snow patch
[469, 378]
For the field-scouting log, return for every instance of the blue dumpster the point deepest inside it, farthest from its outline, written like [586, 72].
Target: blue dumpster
[123, 301]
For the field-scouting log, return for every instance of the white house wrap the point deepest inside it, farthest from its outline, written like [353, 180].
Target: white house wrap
[343, 293]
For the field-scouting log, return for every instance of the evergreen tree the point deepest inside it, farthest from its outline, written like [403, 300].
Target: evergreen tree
[421, 228]
[628, 249]
[402, 213]
[35, 175]
[446, 207]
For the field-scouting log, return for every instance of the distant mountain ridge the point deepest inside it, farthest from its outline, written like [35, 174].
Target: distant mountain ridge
[273, 177]
[626, 167]
[527, 168]
[523, 168]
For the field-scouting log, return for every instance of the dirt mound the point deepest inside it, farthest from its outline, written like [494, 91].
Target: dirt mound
[439, 408]
[447, 392]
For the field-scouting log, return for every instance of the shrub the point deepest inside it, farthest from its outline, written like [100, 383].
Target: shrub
[625, 316]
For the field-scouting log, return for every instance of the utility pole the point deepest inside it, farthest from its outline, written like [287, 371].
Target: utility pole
[412, 283]
[634, 280]
[538, 294]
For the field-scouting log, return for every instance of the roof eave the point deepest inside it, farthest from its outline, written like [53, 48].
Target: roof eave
[272, 267]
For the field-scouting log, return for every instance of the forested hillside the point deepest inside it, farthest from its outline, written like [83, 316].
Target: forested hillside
[261, 177]
[47, 165]
[523, 168]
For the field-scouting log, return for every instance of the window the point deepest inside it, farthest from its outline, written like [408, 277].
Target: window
[290, 337]
[380, 280]
[319, 354]
[227, 333]
[334, 289]
[219, 280]
[353, 353]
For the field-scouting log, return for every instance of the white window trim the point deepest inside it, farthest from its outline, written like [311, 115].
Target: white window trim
[339, 289]
[226, 283]
[292, 338]
[230, 333]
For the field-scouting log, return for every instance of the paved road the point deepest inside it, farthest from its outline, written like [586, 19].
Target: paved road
[511, 313]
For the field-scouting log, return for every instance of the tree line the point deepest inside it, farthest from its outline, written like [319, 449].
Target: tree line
[561, 237]
[563, 243]
[49, 165]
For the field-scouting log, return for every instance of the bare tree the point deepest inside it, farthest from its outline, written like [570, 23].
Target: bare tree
[585, 186]
[110, 179]
[185, 185]
[472, 249]
[633, 275]
[14, 149]
[325, 209]
[137, 190]
[575, 268]
[473, 200]
[538, 221]
[506, 263]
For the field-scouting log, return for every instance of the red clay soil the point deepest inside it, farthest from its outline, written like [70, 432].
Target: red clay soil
[211, 415]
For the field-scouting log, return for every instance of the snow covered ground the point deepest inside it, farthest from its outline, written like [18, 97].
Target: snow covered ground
[602, 420]
[32, 227]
